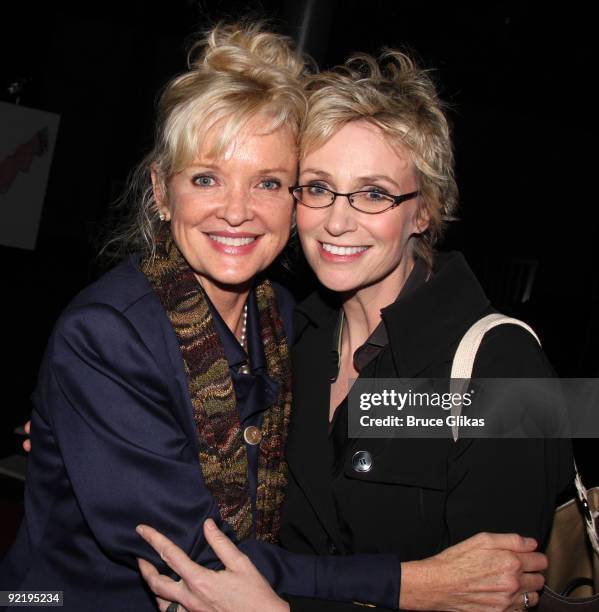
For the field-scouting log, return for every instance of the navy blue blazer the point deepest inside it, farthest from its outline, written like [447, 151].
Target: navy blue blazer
[114, 445]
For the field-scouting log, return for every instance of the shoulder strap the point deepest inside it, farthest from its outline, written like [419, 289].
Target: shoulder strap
[463, 360]
[461, 372]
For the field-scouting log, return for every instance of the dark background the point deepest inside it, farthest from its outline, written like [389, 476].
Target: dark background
[518, 78]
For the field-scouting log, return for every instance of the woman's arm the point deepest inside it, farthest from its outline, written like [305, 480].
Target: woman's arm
[104, 397]
[485, 573]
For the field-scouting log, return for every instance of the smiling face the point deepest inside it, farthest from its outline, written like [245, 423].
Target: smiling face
[230, 217]
[351, 251]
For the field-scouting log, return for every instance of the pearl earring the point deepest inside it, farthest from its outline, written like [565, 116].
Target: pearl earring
[162, 216]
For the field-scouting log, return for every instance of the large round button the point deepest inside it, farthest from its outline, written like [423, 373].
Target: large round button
[252, 435]
[362, 461]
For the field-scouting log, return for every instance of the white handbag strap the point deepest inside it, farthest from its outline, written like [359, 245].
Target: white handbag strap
[461, 372]
[463, 360]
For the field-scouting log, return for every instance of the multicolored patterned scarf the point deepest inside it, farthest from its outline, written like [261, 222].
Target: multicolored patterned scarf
[223, 456]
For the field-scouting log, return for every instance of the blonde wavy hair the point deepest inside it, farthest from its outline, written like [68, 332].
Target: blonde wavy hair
[399, 98]
[235, 73]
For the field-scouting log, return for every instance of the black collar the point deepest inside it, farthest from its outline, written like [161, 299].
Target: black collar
[435, 316]
[424, 321]
[378, 339]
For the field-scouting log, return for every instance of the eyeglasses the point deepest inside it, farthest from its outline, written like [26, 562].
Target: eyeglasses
[371, 202]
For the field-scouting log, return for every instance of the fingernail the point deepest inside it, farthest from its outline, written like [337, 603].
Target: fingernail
[210, 524]
[140, 529]
[530, 541]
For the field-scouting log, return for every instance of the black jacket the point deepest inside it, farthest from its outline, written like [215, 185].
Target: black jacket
[421, 495]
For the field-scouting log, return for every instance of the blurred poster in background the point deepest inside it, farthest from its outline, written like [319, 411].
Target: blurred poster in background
[27, 138]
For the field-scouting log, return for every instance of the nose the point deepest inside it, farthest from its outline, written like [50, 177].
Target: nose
[236, 207]
[340, 217]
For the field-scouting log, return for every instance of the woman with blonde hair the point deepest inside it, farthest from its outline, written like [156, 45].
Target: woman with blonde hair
[376, 187]
[165, 392]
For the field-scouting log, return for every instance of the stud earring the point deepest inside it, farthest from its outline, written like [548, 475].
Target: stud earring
[162, 216]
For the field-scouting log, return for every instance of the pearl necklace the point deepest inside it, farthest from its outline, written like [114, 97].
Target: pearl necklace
[244, 327]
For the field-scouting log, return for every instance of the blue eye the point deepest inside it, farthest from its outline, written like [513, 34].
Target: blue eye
[317, 190]
[203, 180]
[270, 184]
[375, 195]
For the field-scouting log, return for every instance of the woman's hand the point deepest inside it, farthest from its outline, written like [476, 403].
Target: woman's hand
[485, 573]
[27, 442]
[240, 586]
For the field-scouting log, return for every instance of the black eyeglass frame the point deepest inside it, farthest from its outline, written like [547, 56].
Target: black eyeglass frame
[397, 199]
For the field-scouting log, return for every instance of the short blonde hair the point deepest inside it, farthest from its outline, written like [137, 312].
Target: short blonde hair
[235, 73]
[395, 95]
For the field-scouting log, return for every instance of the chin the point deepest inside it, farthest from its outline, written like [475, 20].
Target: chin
[228, 277]
[340, 283]
[236, 278]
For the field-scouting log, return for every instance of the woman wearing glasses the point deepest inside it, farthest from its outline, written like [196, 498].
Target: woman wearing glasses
[376, 184]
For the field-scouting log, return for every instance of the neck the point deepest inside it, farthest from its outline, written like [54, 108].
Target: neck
[228, 301]
[362, 308]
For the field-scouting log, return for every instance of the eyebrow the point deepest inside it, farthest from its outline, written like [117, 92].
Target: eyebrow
[371, 178]
[216, 166]
[274, 170]
[316, 172]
